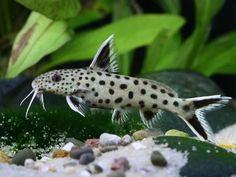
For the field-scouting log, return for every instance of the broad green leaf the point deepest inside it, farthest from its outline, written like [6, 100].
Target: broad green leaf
[217, 54]
[171, 6]
[204, 12]
[130, 33]
[39, 37]
[54, 9]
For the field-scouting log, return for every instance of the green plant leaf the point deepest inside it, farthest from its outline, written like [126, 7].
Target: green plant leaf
[39, 37]
[130, 33]
[218, 54]
[205, 10]
[54, 9]
[171, 6]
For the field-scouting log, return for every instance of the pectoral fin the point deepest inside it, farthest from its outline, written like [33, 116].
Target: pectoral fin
[77, 104]
[149, 117]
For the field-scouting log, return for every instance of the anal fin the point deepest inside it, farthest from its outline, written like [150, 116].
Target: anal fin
[149, 117]
[77, 104]
[119, 116]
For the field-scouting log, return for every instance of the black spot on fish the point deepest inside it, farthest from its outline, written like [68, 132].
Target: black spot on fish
[171, 94]
[107, 74]
[112, 83]
[163, 91]
[80, 78]
[72, 79]
[78, 83]
[186, 108]
[99, 73]
[153, 96]
[141, 103]
[107, 101]
[136, 82]
[81, 74]
[86, 78]
[128, 105]
[175, 103]
[111, 91]
[92, 78]
[143, 91]
[123, 86]
[93, 89]
[102, 82]
[117, 76]
[154, 106]
[165, 102]
[100, 101]
[96, 94]
[126, 77]
[130, 94]
[154, 87]
[118, 100]
[145, 82]
[87, 85]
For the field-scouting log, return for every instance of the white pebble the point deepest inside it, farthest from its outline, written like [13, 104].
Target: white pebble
[68, 146]
[29, 163]
[125, 140]
[137, 145]
[45, 159]
[84, 173]
[107, 139]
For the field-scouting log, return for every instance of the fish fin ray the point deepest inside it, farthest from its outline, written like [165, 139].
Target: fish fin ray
[150, 117]
[119, 116]
[105, 58]
[77, 104]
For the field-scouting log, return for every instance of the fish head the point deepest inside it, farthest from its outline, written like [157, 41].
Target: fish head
[59, 82]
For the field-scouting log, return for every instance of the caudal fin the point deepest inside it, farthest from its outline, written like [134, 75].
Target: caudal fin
[197, 122]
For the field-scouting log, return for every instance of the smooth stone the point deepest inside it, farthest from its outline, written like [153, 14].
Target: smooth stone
[29, 163]
[120, 164]
[93, 143]
[125, 140]
[158, 159]
[104, 149]
[74, 141]
[94, 168]
[68, 146]
[84, 173]
[86, 158]
[20, 157]
[45, 159]
[145, 133]
[76, 152]
[4, 158]
[97, 152]
[174, 132]
[60, 153]
[107, 139]
[116, 174]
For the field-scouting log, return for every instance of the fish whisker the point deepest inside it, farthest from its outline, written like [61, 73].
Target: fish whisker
[31, 101]
[26, 97]
[41, 99]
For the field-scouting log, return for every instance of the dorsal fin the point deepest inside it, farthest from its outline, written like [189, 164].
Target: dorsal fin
[105, 58]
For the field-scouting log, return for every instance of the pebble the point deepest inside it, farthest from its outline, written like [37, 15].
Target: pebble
[60, 153]
[116, 174]
[70, 164]
[86, 158]
[107, 139]
[20, 157]
[104, 149]
[120, 164]
[93, 143]
[158, 159]
[45, 159]
[68, 146]
[97, 152]
[74, 141]
[125, 140]
[174, 132]
[76, 152]
[145, 133]
[29, 163]
[4, 158]
[84, 173]
[94, 168]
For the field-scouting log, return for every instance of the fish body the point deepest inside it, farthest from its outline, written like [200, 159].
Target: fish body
[99, 86]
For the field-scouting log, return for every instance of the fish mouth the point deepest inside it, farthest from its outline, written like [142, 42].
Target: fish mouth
[37, 93]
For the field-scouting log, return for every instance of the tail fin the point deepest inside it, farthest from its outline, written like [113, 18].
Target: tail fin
[197, 123]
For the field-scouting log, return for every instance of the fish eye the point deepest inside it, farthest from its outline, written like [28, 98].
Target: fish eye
[56, 78]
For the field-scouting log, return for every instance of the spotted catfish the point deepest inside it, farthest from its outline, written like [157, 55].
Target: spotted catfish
[98, 86]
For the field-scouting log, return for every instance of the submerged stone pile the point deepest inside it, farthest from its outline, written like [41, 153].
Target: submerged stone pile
[110, 156]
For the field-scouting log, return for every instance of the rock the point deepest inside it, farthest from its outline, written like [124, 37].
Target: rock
[84, 173]
[4, 158]
[158, 159]
[67, 147]
[29, 163]
[70, 164]
[145, 133]
[125, 140]
[86, 158]
[97, 152]
[76, 152]
[174, 132]
[116, 174]
[60, 153]
[45, 159]
[120, 164]
[94, 169]
[93, 143]
[74, 141]
[104, 149]
[20, 157]
[107, 139]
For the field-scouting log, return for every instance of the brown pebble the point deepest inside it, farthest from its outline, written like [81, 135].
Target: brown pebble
[93, 143]
[4, 158]
[120, 164]
[60, 153]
